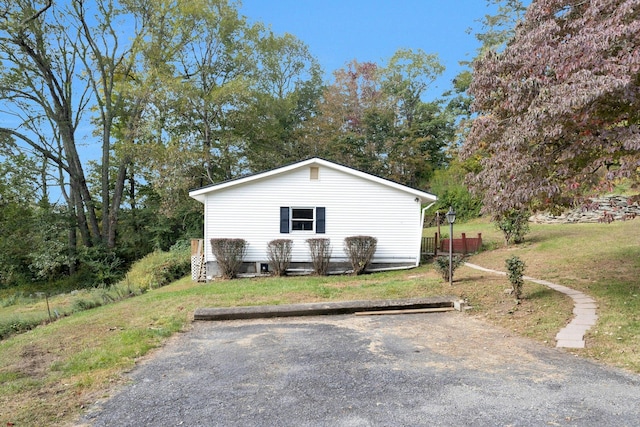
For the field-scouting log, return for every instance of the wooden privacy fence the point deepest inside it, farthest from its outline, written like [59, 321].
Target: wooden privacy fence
[432, 246]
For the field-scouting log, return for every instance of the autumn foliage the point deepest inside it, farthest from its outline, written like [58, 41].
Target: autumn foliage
[559, 107]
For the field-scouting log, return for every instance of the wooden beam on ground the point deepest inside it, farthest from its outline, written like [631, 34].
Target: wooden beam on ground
[409, 311]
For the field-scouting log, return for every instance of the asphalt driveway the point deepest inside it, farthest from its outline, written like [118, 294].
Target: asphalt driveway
[406, 370]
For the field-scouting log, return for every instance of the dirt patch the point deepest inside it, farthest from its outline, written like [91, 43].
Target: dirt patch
[467, 342]
[35, 361]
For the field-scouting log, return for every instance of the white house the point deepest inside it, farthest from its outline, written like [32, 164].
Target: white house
[314, 198]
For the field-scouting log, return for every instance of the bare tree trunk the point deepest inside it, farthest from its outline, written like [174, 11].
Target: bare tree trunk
[115, 208]
[72, 240]
[72, 235]
[83, 200]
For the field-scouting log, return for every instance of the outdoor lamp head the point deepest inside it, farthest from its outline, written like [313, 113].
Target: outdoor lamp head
[451, 215]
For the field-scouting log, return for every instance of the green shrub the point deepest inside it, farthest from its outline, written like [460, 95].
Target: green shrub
[320, 250]
[106, 267]
[442, 264]
[229, 254]
[360, 250]
[15, 299]
[82, 304]
[279, 254]
[515, 270]
[181, 246]
[19, 323]
[467, 206]
[514, 224]
[448, 184]
[156, 270]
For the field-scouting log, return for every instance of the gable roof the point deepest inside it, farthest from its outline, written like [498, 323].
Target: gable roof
[200, 193]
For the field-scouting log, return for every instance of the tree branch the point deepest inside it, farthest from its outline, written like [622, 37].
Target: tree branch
[39, 148]
[38, 13]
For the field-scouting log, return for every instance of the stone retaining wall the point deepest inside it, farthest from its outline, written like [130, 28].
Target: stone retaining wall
[599, 209]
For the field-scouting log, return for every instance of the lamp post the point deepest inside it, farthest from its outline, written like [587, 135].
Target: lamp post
[451, 218]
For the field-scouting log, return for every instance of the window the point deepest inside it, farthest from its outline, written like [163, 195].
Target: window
[302, 219]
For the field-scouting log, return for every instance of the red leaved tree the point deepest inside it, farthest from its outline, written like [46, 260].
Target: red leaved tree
[559, 107]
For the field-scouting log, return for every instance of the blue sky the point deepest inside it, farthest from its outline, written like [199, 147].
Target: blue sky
[338, 31]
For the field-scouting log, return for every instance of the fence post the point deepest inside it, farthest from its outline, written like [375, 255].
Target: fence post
[195, 246]
[479, 241]
[464, 244]
[435, 244]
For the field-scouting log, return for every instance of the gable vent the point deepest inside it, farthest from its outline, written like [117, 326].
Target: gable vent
[314, 172]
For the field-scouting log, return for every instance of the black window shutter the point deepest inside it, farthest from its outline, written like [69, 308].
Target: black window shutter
[284, 220]
[320, 220]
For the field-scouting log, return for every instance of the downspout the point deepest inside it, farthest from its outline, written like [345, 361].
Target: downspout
[420, 233]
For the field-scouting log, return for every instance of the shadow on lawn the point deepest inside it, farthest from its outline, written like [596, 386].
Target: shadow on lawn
[539, 294]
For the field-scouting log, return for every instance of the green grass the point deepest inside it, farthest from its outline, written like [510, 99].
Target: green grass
[49, 374]
[601, 260]
[20, 313]
[80, 356]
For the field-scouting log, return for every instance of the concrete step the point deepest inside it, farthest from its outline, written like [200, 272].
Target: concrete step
[322, 308]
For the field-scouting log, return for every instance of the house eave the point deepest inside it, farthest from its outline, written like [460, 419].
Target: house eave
[201, 193]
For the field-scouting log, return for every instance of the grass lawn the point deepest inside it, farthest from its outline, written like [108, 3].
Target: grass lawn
[601, 260]
[49, 375]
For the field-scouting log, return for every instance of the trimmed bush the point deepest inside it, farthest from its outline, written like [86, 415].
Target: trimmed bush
[515, 270]
[320, 255]
[442, 265]
[279, 254]
[360, 250]
[229, 254]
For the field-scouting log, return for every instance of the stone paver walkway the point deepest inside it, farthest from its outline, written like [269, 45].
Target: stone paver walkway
[584, 309]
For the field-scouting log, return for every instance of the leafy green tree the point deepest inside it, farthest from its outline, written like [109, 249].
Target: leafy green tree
[500, 27]
[284, 96]
[17, 209]
[421, 147]
[448, 184]
[233, 96]
[33, 244]
[374, 118]
[49, 255]
[351, 110]
[105, 62]
[215, 67]
[68, 65]
[407, 76]
[38, 85]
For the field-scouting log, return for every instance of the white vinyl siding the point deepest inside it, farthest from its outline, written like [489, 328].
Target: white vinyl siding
[354, 206]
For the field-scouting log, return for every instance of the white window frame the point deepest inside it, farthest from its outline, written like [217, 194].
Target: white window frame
[312, 220]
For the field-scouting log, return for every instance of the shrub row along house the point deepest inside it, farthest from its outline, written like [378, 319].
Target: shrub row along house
[314, 199]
